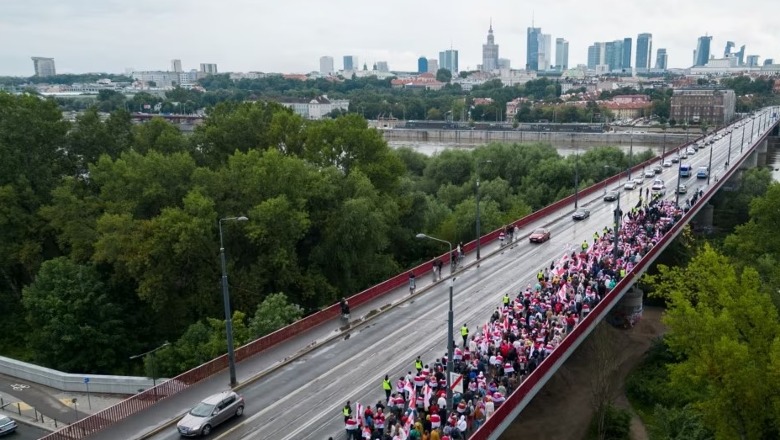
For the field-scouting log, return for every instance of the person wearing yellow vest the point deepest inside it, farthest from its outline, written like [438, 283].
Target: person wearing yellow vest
[418, 364]
[387, 387]
[595, 237]
[347, 411]
[584, 245]
[464, 332]
[506, 300]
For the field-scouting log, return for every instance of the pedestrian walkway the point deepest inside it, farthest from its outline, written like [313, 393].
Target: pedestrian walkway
[46, 407]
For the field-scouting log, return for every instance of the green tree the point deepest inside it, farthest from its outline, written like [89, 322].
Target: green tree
[78, 325]
[443, 75]
[723, 328]
[272, 314]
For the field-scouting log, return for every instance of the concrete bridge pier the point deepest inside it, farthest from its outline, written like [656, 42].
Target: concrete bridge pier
[703, 219]
[751, 161]
[761, 156]
[628, 311]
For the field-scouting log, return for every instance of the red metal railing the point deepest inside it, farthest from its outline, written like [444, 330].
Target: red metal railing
[500, 416]
[145, 399]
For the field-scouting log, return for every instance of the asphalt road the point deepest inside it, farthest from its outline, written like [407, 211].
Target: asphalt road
[302, 400]
[27, 432]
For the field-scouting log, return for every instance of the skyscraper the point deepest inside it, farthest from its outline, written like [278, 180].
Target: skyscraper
[595, 56]
[741, 55]
[752, 60]
[448, 59]
[545, 51]
[350, 62]
[422, 65]
[727, 51]
[44, 66]
[326, 65]
[433, 65]
[490, 52]
[613, 56]
[661, 59]
[381, 66]
[644, 51]
[532, 49]
[176, 66]
[627, 46]
[703, 50]
[561, 54]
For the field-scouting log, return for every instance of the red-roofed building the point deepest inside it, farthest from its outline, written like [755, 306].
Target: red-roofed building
[423, 81]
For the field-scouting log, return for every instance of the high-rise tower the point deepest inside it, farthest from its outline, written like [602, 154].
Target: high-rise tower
[490, 52]
[644, 51]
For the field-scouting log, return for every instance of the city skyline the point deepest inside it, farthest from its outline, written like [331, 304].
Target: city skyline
[110, 36]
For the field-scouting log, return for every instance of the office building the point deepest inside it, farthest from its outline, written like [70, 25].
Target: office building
[433, 65]
[422, 65]
[157, 79]
[326, 66]
[561, 54]
[727, 50]
[350, 63]
[752, 61]
[741, 55]
[703, 51]
[504, 63]
[44, 66]
[316, 108]
[381, 66]
[661, 60]
[769, 61]
[208, 68]
[703, 106]
[490, 52]
[594, 56]
[448, 59]
[532, 48]
[644, 51]
[627, 46]
[545, 52]
[613, 55]
[176, 66]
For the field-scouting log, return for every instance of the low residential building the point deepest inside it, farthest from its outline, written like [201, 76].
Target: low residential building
[316, 108]
[709, 106]
[629, 106]
[513, 106]
[423, 81]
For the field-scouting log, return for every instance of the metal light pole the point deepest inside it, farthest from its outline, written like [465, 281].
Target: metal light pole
[450, 319]
[742, 144]
[752, 126]
[663, 154]
[226, 300]
[151, 363]
[677, 190]
[576, 176]
[617, 229]
[630, 154]
[479, 228]
[709, 166]
[731, 135]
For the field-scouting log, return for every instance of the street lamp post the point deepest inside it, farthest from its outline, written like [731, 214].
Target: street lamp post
[630, 154]
[618, 217]
[731, 135]
[226, 300]
[450, 319]
[152, 365]
[742, 144]
[576, 176]
[479, 228]
[677, 190]
[709, 166]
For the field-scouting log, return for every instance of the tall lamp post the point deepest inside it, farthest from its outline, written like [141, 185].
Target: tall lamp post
[742, 144]
[731, 135]
[479, 228]
[152, 365]
[630, 155]
[576, 176]
[709, 166]
[450, 338]
[226, 300]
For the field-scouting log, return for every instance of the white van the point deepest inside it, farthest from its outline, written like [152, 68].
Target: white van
[659, 187]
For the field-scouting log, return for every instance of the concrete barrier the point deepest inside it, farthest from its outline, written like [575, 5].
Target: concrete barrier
[98, 383]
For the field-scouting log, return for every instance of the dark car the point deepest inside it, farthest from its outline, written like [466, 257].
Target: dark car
[581, 214]
[611, 196]
[540, 235]
[657, 169]
[209, 413]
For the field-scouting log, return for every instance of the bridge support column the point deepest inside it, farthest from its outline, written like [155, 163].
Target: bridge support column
[751, 161]
[628, 311]
[761, 156]
[703, 219]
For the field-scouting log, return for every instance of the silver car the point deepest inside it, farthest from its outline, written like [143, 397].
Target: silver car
[211, 412]
[7, 425]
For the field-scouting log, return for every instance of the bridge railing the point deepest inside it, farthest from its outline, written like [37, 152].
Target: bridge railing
[503, 415]
[149, 397]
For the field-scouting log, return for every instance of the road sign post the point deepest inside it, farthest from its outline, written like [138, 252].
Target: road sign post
[89, 401]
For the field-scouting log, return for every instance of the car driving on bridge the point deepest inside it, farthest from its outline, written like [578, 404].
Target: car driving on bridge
[581, 214]
[209, 413]
[540, 235]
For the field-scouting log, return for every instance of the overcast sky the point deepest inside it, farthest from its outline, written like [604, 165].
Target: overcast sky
[291, 35]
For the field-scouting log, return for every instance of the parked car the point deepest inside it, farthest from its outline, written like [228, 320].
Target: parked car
[682, 189]
[7, 425]
[540, 235]
[211, 412]
[628, 186]
[581, 214]
[610, 196]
